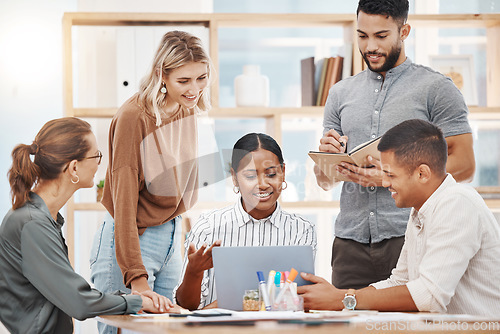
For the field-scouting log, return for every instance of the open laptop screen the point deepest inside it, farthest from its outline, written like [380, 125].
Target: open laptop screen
[235, 269]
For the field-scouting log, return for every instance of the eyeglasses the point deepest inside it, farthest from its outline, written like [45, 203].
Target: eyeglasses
[98, 157]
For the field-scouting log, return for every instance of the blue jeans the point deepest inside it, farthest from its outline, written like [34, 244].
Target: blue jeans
[160, 250]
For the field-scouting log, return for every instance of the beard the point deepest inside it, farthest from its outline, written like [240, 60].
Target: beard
[390, 59]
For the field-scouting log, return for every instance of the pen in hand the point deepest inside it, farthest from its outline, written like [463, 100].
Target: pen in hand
[342, 141]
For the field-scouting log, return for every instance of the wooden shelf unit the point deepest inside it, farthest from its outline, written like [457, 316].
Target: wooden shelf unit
[273, 116]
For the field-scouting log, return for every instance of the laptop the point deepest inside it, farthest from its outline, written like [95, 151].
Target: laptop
[235, 269]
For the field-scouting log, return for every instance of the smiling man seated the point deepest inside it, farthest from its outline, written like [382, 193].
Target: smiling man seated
[450, 261]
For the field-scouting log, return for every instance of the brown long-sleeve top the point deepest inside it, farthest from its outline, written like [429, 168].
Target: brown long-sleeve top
[151, 177]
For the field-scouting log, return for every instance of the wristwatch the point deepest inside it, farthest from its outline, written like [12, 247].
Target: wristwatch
[349, 300]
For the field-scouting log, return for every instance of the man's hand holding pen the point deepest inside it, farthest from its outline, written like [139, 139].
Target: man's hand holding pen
[333, 142]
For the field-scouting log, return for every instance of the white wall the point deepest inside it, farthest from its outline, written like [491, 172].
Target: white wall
[31, 72]
[30, 76]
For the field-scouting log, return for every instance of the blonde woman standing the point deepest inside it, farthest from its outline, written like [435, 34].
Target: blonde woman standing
[152, 173]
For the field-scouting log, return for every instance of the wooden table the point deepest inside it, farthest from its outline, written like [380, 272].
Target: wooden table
[179, 325]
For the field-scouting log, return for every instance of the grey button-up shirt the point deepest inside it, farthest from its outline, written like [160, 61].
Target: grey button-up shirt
[39, 290]
[364, 107]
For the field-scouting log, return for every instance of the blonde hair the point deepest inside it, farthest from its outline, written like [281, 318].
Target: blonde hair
[176, 49]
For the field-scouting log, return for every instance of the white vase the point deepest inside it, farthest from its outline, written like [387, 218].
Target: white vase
[251, 88]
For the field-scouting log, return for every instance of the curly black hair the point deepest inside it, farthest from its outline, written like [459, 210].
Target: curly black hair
[397, 9]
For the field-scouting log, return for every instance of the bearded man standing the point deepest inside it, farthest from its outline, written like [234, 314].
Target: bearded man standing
[369, 230]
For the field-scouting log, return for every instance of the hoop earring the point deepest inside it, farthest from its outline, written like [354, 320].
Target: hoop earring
[163, 88]
[284, 185]
[77, 180]
[236, 190]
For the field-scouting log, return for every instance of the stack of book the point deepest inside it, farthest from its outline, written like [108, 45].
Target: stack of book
[318, 76]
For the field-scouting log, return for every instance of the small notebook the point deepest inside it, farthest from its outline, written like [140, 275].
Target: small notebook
[235, 269]
[328, 162]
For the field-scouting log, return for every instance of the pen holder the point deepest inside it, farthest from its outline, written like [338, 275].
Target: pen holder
[251, 300]
[290, 301]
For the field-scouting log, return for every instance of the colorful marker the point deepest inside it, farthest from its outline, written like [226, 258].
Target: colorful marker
[263, 290]
[291, 277]
[270, 282]
[288, 286]
[277, 280]
[276, 289]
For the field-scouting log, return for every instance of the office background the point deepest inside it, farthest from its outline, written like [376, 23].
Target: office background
[31, 83]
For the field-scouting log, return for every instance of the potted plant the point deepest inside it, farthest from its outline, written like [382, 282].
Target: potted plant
[100, 188]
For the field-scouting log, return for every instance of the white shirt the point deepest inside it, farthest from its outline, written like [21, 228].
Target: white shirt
[235, 227]
[450, 260]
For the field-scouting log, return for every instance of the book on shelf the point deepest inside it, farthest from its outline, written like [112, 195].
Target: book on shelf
[328, 76]
[318, 76]
[307, 73]
[337, 70]
[333, 76]
[318, 71]
[358, 156]
[320, 81]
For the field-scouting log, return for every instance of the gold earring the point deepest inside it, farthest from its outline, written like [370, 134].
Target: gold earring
[284, 185]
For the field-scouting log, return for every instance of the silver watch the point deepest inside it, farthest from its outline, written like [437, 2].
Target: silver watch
[349, 300]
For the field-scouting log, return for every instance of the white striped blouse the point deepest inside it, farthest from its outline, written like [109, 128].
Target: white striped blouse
[235, 227]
